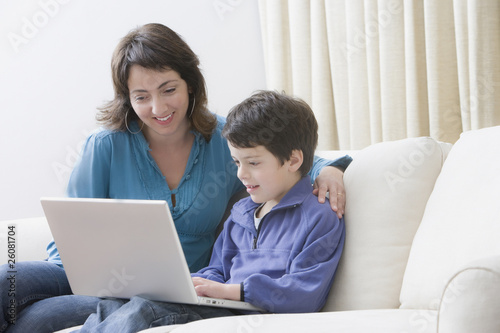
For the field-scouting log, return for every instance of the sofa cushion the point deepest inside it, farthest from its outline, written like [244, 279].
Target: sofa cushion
[461, 221]
[387, 187]
[373, 321]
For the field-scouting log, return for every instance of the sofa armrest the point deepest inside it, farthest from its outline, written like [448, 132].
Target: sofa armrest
[471, 299]
[31, 238]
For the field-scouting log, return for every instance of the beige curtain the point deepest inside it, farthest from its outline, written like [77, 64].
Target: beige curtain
[380, 70]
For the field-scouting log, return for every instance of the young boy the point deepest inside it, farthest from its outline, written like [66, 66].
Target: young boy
[280, 247]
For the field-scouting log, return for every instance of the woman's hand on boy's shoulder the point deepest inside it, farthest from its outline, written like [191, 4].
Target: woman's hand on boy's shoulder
[209, 288]
[331, 179]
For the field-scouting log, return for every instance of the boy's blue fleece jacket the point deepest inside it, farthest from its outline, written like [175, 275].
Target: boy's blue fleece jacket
[288, 264]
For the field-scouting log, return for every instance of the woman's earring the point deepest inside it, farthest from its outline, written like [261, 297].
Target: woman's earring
[128, 129]
[192, 109]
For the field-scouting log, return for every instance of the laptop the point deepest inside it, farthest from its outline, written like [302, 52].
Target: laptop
[124, 248]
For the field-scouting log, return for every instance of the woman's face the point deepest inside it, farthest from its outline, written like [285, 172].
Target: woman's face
[160, 99]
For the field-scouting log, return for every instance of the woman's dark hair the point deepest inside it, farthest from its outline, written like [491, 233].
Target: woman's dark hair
[276, 121]
[156, 47]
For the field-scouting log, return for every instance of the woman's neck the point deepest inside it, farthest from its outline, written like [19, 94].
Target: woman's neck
[172, 142]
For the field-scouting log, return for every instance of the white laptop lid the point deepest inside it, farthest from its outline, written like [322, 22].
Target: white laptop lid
[123, 248]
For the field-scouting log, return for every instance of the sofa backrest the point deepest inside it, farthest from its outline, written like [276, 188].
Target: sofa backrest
[461, 222]
[387, 187]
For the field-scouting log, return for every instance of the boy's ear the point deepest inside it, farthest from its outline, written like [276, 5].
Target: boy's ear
[296, 160]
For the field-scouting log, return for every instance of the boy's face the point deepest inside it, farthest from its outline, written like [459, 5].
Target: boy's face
[263, 175]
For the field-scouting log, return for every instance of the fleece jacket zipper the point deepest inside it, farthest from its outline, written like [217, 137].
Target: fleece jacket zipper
[262, 221]
[257, 236]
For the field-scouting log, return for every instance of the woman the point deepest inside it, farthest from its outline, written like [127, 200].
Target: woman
[160, 142]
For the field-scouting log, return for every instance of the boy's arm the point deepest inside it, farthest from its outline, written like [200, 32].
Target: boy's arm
[210, 281]
[215, 269]
[306, 286]
[209, 288]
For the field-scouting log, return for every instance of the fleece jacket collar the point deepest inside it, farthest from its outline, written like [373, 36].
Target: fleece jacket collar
[243, 210]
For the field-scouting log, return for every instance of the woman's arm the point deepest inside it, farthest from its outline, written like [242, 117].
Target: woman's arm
[90, 177]
[328, 176]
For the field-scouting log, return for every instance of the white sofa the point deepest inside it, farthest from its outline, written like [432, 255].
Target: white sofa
[422, 250]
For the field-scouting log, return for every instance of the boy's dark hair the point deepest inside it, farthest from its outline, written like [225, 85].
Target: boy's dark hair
[276, 121]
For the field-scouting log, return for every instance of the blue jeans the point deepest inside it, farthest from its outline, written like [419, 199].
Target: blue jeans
[118, 315]
[32, 299]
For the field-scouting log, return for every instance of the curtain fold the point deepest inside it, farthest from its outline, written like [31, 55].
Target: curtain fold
[380, 70]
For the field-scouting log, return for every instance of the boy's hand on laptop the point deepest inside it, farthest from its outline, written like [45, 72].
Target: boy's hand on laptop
[209, 288]
[331, 179]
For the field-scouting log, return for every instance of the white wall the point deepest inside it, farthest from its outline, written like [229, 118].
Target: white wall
[54, 71]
